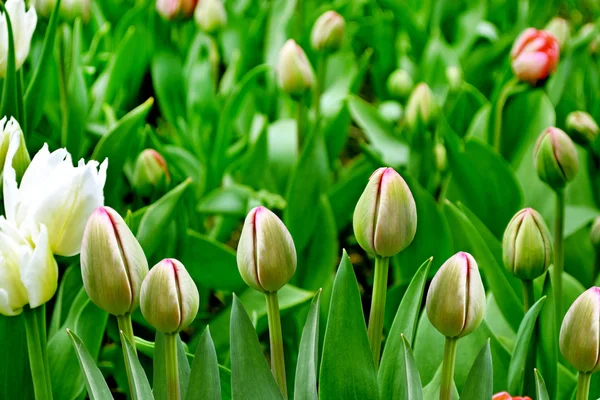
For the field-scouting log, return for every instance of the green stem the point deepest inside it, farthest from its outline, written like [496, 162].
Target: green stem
[300, 126]
[499, 107]
[375, 330]
[557, 269]
[529, 377]
[583, 386]
[173, 392]
[448, 369]
[320, 87]
[124, 322]
[277, 358]
[528, 296]
[35, 328]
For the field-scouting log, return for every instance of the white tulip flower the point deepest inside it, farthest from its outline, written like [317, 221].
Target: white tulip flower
[23, 25]
[28, 270]
[54, 193]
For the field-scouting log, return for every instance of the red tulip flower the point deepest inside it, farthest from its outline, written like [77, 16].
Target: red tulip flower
[506, 396]
[534, 55]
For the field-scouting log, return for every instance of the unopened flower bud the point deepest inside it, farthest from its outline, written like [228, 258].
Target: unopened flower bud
[171, 9]
[113, 264]
[21, 159]
[580, 332]
[506, 396]
[526, 245]
[390, 110]
[455, 77]
[169, 299]
[440, 156]
[534, 55]
[582, 128]
[293, 70]
[71, 9]
[556, 159]
[385, 217]
[595, 234]
[456, 298]
[328, 32]
[266, 255]
[400, 83]
[561, 29]
[210, 15]
[422, 109]
[150, 173]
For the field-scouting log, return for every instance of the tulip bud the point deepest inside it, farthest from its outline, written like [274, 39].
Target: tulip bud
[534, 55]
[561, 29]
[71, 9]
[266, 255]
[113, 264]
[526, 245]
[595, 234]
[390, 110]
[556, 159]
[582, 128]
[421, 109]
[328, 32]
[169, 299]
[294, 71]
[454, 77]
[21, 159]
[456, 299]
[150, 173]
[440, 156]
[400, 83]
[171, 9]
[210, 15]
[385, 217]
[580, 332]
[506, 396]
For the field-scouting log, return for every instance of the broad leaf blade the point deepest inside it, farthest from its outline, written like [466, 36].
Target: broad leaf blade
[140, 387]
[10, 99]
[308, 356]
[204, 376]
[480, 381]
[94, 380]
[347, 367]
[405, 383]
[540, 387]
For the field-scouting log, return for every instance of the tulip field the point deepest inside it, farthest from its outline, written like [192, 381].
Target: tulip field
[299, 199]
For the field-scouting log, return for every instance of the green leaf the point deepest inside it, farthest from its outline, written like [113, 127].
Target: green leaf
[210, 263]
[159, 381]
[307, 369]
[516, 370]
[157, 218]
[432, 390]
[403, 382]
[282, 143]
[204, 376]
[251, 377]
[548, 340]
[540, 387]
[347, 367]
[15, 376]
[97, 388]
[9, 105]
[480, 381]
[344, 194]
[167, 80]
[394, 152]
[140, 388]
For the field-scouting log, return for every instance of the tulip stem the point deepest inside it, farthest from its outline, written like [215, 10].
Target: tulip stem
[448, 369]
[507, 90]
[276, 338]
[583, 385]
[173, 392]
[557, 269]
[375, 330]
[528, 296]
[528, 301]
[320, 87]
[35, 328]
[124, 322]
[300, 122]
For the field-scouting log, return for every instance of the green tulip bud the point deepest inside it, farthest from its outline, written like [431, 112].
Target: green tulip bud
[440, 156]
[328, 32]
[580, 332]
[595, 234]
[266, 255]
[556, 159]
[113, 264]
[582, 128]
[150, 173]
[385, 217]
[455, 77]
[526, 245]
[169, 299]
[294, 71]
[561, 29]
[10, 130]
[390, 110]
[456, 299]
[400, 83]
[210, 15]
[421, 110]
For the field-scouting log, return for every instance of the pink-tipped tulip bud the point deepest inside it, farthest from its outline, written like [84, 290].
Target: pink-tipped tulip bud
[266, 255]
[534, 55]
[400, 84]
[595, 234]
[150, 173]
[328, 32]
[507, 396]
[169, 299]
[580, 332]
[113, 264]
[210, 15]
[561, 29]
[556, 159]
[294, 72]
[582, 128]
[171, 9]
[385, 217]
[526, 245]
[456, 298]
[421, 110]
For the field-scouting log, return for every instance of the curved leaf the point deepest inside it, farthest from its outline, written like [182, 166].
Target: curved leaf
[480, 381]
[305, 387]
[140, 387]
[403, 382]
[204, 376]
[540, 387]
[97, 389]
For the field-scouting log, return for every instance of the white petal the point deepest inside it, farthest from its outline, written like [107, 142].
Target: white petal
[13, 295]
[12, 196]
[39, 271]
